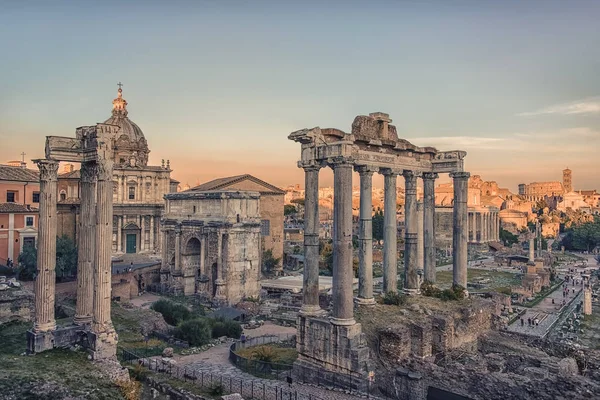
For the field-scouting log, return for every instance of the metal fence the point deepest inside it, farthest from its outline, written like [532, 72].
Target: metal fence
[263, 369]
[247, 388]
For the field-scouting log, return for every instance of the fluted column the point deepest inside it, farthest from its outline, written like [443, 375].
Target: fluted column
[46, 251]
[220, 281]
[429, 225]
[343, 307]
[411, 279]
[143, 233]
[86, 245]
[459, 237]
[119, 233]
[390, 231]
[420, 241]
[103, 249]
[365, 237]
[152, 248]
[178, 250]
[310, 281]
[119, 188]
[203, 256]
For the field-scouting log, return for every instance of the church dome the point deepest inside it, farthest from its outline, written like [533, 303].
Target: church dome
[131, 148]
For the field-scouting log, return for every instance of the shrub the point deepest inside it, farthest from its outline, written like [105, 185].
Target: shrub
[196, 332]
[173, 313]
[264, 354]
[394, 298]
[216, 389]
[230, 329]
[430, 290]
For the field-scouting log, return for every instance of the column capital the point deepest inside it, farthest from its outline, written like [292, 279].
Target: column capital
[48, 170]
[460, 175]
[390, 171]
[104, 170]
[366, 169]
[408, 174]
[89, 172]
[340, 161]
[309, 166]
[429, 176]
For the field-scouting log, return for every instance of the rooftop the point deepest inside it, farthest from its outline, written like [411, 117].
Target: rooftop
[223, 183]
[16, 208]
[18, 174]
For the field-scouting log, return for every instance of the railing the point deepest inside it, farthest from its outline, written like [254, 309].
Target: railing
[263, 369]
[247, 388]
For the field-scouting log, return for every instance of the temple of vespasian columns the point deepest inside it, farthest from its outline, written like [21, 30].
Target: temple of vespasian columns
[336, 343]
[93, 147]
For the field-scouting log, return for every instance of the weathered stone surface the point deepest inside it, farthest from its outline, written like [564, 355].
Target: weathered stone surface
[16, 305]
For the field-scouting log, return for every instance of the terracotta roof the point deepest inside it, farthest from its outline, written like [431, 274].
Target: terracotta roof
[8, 173]
[223, 183]
[75, 174]
[15, 208]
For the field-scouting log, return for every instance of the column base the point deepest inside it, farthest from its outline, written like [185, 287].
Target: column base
[103, 345]
[84, 321]
[39, 341]
[312, 311]
[342, 321]
[41, 328]
[411, 292]
[361, 301]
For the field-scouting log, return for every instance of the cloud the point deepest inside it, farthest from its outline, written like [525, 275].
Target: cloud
[581, 107]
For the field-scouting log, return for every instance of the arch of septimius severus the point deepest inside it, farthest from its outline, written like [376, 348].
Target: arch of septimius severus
[336, 343]
[93, 147]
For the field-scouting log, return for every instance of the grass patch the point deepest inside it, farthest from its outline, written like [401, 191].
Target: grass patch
[498, 279]
[54, 374]
[270, 353]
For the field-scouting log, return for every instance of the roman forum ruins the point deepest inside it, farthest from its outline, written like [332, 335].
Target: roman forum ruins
[93, 147]
[337, 344]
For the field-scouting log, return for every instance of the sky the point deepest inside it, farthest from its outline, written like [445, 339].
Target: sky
[217, 86]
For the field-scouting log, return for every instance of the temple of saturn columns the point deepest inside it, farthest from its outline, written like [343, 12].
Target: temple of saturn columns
[93, 147]
[335, 342]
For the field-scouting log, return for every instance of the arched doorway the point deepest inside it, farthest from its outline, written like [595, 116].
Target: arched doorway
[190, 258]
[131, 235]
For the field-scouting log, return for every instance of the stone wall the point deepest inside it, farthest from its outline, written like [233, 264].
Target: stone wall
[242, 264]
[16, 305]
[271, 208]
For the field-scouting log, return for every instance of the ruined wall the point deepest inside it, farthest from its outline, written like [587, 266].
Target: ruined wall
[242, 264]
[16, 305]
[271, 208]
[443, 226]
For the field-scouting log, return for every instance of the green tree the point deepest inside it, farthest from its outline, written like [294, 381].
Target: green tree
[289, 209]
[326, 252]
[27, 264]
[507, 238]
[378, 225]
[269, 263]
[196, 332]
[297, 201]
[173, 313]
[66, 258]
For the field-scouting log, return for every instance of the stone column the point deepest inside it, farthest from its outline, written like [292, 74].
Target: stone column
[390, 232]
[429, 225]
[86, 244]
[420, 242]
[531, 250]
[203, 255]
[151, 247]
[46, 251]
[343, 307]
[142, 233]
[220, 281]
[119, 188]
[411, 279]
[365, 237]
[102, 324]
[459, 237]
[310, 289]
[119, 233]
[178, 250]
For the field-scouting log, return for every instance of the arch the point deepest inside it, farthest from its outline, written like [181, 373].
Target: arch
[192, 247]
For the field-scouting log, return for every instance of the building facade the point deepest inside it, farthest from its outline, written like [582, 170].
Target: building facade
[138, 190]
[212, 244]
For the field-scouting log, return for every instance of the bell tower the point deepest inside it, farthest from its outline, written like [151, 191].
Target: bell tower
[567, 182]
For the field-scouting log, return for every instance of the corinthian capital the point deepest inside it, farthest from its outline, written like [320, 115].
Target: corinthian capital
[430, 175]
[105, 170]
[460, 175]
[88, 172]
[48, 170]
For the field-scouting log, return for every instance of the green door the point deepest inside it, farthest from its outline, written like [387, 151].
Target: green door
[131, 242]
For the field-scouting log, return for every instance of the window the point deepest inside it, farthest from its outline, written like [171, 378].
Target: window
[11, 196]
[28, 221]
[194, 209]
[131, 192]
[36, 197]
[63, 196]
[29, 242]
[265, 227]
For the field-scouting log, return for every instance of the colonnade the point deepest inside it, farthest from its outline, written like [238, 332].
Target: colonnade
[94, 248]
[149, 231]
[342, 234]
[484, 225]
[159, 185]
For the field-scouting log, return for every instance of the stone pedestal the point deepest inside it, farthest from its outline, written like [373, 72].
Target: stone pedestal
[329, 353]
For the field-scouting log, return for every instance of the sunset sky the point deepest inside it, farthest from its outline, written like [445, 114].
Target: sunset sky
[217, 86]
